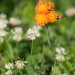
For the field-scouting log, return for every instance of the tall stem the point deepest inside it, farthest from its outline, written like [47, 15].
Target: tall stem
[32, 47]
[48, 37]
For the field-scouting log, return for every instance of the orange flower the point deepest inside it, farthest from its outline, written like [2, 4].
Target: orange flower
[52, 16]
[42, 7]
[45, 13]
[50, 5]
[41, 19]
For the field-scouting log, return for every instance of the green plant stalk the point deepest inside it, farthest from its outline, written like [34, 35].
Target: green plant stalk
[48, 37]
[10, 50]
[10, 33]
[32, 47]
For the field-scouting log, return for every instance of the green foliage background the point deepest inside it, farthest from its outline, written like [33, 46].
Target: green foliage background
[62, 33]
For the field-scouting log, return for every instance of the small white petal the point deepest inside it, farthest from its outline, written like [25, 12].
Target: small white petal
[60, 57]
[3, 24]
[32, 33]
[60, 50]
[20, 64]
[9, 72]
[9, 66]
[17, 34]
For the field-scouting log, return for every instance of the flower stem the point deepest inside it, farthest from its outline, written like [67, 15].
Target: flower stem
[48, 37]
[32, 47]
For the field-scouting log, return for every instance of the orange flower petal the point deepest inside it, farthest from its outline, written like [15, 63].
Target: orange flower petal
[41, 19]
[42, 7]
[52, 16]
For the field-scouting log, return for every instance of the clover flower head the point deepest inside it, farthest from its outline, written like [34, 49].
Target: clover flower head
[20, 64]
[9, 66]
[3, 23]
[60, 54]
[17, 34]
[60, 57]
[61, 50]
[32, 34]
[9, 72]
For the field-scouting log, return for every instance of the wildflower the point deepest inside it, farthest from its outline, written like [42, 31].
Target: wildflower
[52, 16]
[44, 7]
[32, 34]
[9, 72]
[9, 66]
[14, 21]
[60, 57]
[41, 7]
[61, 50]
[45, 13]
[20, 64]
[3, 23]
[60, 54]
[50, 5]
[41, 19]
[17, 34]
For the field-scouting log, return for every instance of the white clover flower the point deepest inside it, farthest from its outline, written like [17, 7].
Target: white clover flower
[20, 64]
[60, 57]
[32, 34]
[9, 66]
[17, 34]
[3, 16]
[3, 23]
[61, 50]
[60, 54]
[14, 21]
[9, 72]
[3, 33]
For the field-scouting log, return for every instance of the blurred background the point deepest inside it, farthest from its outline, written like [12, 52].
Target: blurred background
[62, 33]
